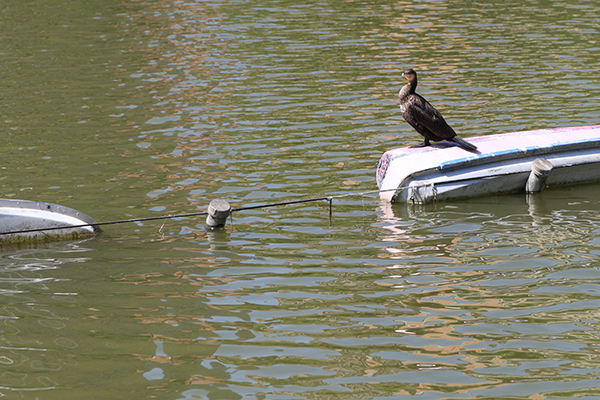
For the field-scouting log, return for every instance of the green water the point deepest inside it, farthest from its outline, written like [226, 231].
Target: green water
[127, 109]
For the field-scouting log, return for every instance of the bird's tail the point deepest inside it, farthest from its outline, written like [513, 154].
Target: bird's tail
[464, 144]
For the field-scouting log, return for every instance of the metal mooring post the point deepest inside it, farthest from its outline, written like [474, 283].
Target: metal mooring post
[540, 170]
[218, 211]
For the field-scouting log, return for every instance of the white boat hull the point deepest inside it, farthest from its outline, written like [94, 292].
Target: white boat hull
[502, 165]
[30, 221]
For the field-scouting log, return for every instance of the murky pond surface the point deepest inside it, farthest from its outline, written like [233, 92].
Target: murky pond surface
[128, 109]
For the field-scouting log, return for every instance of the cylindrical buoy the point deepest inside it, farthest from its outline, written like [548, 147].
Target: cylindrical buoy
[218, 211]
[540, 170]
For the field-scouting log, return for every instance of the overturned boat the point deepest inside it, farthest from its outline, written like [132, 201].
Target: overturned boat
[34, 221]
[511, 162]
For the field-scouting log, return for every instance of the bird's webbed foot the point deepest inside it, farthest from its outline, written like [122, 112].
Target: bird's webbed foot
[424, 144]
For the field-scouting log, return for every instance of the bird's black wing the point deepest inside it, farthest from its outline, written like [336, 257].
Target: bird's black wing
[427, 116]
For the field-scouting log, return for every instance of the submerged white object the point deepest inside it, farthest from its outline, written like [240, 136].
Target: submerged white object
[502, 164]
[24, 220]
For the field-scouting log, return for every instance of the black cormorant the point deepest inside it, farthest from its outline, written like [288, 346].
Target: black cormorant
[424, 117]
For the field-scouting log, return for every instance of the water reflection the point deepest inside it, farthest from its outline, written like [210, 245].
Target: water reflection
[509, 281]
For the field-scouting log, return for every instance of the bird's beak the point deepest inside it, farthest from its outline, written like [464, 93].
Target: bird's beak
[404, 76]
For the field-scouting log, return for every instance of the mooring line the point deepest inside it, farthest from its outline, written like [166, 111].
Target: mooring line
[283, 203]
[96, 225]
